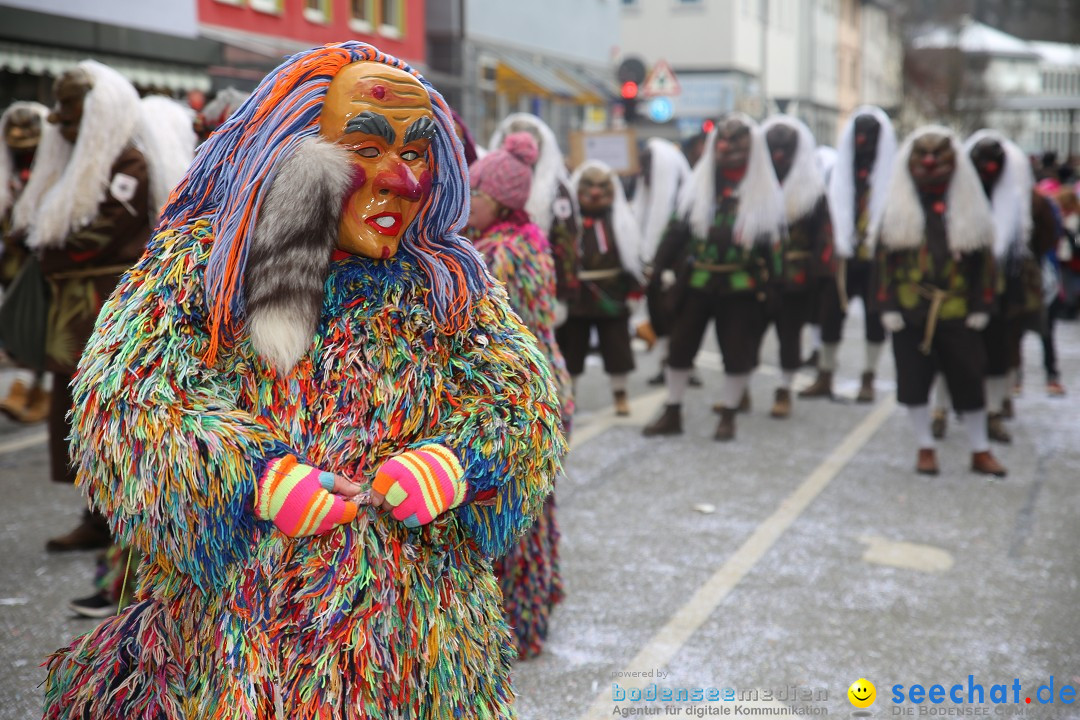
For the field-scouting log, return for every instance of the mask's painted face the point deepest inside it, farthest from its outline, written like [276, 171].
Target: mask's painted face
[989, 158]
[70, 91]
[383, 116]
[783, 143]
[867, 130]
[732, 145]
[932, 161]
[596, 192]
[23, 130]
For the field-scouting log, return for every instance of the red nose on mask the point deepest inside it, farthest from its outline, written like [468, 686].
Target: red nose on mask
[929, 162]
[991, 167]
[860, 139]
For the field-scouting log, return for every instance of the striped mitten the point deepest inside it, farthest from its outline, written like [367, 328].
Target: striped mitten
[297, 498]
[421, 484]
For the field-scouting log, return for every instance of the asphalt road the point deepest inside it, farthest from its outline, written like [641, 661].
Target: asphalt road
[777, 570]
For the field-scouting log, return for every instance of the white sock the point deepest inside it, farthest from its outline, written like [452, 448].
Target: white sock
[920, 423]
[827, 359]
[873, 354]
[618, 383]
[732, 391]
[815, 337]
[997, 389]
[677, 381]
[975, 425]
[786, 378]
[942, 399]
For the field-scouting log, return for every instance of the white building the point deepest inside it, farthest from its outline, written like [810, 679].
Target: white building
[760, 56]
[554, 59]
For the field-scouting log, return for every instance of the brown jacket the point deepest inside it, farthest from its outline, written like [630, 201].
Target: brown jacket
[83, 272]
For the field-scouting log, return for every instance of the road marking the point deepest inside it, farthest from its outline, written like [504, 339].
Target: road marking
[22, 442]
[909, 556]
[642, 409]
[668, 640]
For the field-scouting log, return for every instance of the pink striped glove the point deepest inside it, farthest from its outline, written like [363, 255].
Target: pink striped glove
[421, 484]
[297, 498]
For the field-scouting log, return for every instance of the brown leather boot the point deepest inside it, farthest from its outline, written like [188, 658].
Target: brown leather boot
[927, 462]
[821, 387]
[37, 405]
[725, 429]
[669, 422]
[91, 534]
[866, 388]
[995, 428]
[986, 464]
[622, 404]
[14, 405]
[938, 424]
[1007, 409]
[781, 408]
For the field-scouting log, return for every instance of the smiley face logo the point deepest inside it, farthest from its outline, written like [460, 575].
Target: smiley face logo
[862, 693]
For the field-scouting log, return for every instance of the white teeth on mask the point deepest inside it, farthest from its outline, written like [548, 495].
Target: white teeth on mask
[386, 221]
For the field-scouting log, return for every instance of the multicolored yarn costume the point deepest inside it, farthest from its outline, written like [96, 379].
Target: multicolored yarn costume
[518, 255]
[176, 415]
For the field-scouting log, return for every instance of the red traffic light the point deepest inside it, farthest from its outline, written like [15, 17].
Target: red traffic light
[629, 90]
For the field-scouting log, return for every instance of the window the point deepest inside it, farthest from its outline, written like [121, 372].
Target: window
[317, 11]
[266, 6]
[391, 18]
[361, 15]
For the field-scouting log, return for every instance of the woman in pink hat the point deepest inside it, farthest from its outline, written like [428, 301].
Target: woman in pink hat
[518, 255]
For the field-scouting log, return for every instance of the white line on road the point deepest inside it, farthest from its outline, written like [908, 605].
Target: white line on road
[22, 442]
[667, 641]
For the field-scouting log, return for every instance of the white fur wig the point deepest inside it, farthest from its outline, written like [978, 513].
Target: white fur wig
[627, 234]
[1010, 200]
[803, 186]
[842, 182]
[655, 202]
[548, 173]
[7, 166]
[166, 138]
[761, 202]
[825, 158]
[968, 220]
[67, 184]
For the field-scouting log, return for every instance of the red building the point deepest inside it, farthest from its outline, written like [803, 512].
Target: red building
[257, 34]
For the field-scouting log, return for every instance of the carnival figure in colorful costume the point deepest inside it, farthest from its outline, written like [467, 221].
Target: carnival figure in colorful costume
[517, 254]
[21, 125]
[716, 262]
[858, 191]
[934, 283]
[307, 321]
[809, 262]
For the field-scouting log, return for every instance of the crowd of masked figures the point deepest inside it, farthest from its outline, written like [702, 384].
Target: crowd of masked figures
[310, 356]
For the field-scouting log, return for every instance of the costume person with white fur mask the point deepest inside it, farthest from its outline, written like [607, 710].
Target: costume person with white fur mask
[807, 248]
[934, 280]
[718, 258]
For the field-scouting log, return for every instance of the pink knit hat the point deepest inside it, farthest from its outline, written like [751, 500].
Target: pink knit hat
[506, 174]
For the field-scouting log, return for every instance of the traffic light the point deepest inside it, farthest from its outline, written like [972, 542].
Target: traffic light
[629, 100]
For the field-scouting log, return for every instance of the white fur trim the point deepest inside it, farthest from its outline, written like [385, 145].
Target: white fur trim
[803, 186]
[842, 181]
[166, 138]
[968, 221]
[1010, 200]
[71, 192]
[548, 172]
[7, 167]
[627, 234]
[761, 202]
[656, 202]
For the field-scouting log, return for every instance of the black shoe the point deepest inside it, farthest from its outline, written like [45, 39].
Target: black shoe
[97, 605]
[669, 423]
[695, 381]
[657, 379]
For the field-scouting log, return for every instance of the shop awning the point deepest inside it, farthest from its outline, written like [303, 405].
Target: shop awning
[516, 76]
[42, 60]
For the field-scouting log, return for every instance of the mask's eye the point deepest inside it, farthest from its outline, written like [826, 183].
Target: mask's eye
[410, 155]
[368, 152]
